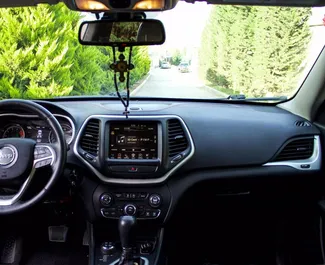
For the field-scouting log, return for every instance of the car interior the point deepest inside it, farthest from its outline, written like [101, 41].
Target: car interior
[161, 181]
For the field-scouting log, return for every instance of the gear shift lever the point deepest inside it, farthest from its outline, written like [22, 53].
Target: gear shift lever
[126, 228]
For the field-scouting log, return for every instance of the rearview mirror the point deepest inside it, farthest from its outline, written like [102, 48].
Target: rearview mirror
[125, 33]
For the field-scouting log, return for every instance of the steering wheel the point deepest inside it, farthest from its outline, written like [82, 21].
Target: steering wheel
[20, 158]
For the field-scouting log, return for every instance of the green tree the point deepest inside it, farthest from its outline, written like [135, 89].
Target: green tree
[34, 58]
[255, 50]
[40, 56]
[280, 49]
[176, 57]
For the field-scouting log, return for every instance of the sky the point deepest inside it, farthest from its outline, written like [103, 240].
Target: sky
[184, 24]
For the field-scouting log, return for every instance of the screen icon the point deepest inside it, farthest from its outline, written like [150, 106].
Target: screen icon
[121, 139]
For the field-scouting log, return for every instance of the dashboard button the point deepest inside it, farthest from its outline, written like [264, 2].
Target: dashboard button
[130, 209]
[154, 214]
[106, 199]
[147, 214]
[118, 169]
[105, 213]
[89, 157]
[143, 195]
[155, 200]
[133, 169]
[118, 195]
[177, 159]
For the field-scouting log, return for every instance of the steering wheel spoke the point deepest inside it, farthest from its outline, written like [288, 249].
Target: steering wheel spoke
[7, 200]
[44, 155]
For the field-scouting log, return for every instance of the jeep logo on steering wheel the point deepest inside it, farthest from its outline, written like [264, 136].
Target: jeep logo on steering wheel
[7, 155]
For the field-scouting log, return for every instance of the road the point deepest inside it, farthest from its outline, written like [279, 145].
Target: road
[169, 83]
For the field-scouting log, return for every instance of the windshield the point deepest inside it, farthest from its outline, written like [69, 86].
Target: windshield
[210, 52]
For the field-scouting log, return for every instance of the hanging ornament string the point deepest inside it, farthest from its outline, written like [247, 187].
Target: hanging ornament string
[122, 67]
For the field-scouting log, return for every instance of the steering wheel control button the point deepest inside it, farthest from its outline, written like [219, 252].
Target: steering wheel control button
[42, 152]
[106, 199]
[155, 200]
[130, 209]
[43, 163]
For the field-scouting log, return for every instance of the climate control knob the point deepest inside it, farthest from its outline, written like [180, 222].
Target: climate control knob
[130, 209]
[106, 199]
[155, 200]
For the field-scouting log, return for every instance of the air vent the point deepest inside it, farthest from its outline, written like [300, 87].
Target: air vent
[90, 137]
[177, 141]
[302, 124]
[297, 150]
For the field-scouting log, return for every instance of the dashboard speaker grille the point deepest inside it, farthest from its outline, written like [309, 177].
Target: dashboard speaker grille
[177, 141]
[90, 137]
[297, 150]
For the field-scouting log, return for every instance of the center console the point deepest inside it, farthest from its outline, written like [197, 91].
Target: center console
[131, 158]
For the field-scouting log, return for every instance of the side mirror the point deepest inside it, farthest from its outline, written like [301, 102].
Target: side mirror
[125, 33]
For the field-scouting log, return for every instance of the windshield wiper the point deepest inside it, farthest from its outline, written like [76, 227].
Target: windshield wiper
[243, 97]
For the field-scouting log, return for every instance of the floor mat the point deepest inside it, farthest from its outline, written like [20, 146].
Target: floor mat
[58, 254]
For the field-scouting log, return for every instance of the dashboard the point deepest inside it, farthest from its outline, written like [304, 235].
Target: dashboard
[143, 164]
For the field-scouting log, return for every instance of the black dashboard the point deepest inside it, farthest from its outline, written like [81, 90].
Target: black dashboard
[141, 165]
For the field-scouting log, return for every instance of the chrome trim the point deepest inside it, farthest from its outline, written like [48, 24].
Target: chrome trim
[133, 181]
[314, 161]
[73, 127]
[36, 116]
[146, 261]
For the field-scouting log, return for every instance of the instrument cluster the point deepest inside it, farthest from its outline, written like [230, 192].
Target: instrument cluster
[20, 126]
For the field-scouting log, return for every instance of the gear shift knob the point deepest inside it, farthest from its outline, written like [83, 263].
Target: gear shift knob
[126, 227]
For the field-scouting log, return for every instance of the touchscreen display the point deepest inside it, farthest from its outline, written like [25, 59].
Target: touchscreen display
[133, 140]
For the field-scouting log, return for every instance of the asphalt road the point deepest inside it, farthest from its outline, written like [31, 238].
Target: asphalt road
[170, 83]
